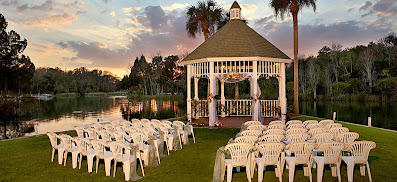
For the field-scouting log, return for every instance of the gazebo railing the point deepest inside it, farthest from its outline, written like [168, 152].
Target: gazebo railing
[241, 107]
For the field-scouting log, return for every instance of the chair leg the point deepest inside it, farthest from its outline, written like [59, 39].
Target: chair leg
[52, 155]
[260, 172]
[194, 138]
[108, 166]
[97, 164]
[291, 171]
[143, 171]
[309, 168]
[81, 158]
[320, 171]
[248, 175]
[338, 172]
[362, 169]
[369, 172]
[278, 170]
[65, 158]
[60, 155]
[229, 173]
[115, 166]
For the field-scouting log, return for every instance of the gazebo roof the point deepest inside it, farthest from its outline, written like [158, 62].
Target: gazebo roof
[235, 5]
[235, 39]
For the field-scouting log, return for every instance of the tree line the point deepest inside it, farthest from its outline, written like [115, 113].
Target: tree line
[356, 73]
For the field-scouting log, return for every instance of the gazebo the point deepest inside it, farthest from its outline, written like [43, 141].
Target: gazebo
[234, 53]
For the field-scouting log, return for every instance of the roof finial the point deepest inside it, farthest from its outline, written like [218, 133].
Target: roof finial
[235, 11]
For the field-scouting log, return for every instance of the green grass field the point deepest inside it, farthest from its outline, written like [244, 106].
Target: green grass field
[29, 160]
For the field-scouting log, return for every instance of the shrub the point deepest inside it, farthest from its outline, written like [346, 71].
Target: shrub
[387, 86]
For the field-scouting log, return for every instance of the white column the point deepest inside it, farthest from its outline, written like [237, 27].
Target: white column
[254, 91]
[223, 97]
[188, 97]
[282, 92]
[212, 91]
[196, 80]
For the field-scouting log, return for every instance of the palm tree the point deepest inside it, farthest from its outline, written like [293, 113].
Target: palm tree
[282, 7]
[203, 18]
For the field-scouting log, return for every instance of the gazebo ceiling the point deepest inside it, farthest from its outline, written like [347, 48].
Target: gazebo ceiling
[235, 40]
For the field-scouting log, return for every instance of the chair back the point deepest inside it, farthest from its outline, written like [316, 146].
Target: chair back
[326, 122]
[256, 127]
[79, 131]
[275, 131]
[314, 125]
[251, 133]
[271, 152]
[139, 139]
[333, 125]
[109, 127]
[53, 139]
[144, 120]
[180, 123]
[302, 150]
[323, 138]
[137, 124]
[293, 122]
[307, 122]
[246, 139]
[125, 124]
[332, 151]
[99, 147]
[271, 138]
[276, 126]
[97, 126]
[82, 144]
[92, 133]
[338, 130]
[315, 131]
[276, 122]
[296, 130]
[166, 122]
[67, 141]
[115, 123]
[117, 150]
[105, 135]
[361, 149]
[347, 138]
[291, 126]
[239, 152]
[298, 137]
[248, 123]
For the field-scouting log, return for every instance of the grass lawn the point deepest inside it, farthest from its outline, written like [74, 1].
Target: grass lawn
[29, 160]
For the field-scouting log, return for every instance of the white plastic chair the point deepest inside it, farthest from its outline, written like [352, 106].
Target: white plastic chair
[251, 133]
[84, 149]
[144, 120]
[275, 131]
[333, 125]
[291, 126]
[248, 123]
[338, 130]
[109, 127]
[137, 124]
[240, 156]
[270, 155]
[105, 135]
[297, 137]
[293, 122]
[323, 138]
[167, 122]
[360, 151]
[246, 139]
[121, 153]
[102, 153]
[296, 130]
[302, 155]
[55, 146]
[273, 138]
[326, 122]
[314, 125]
[315, 131]
[256, 127]
[332, 155]
[92, 133]
[69, 146]
[347, 138]
[276, 126]
[140, 139]
[276, 122]
[307, 122]
[80, 131]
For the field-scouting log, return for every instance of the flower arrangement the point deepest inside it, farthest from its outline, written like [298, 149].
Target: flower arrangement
[255, 97]
[234, 77]
[218, 124]
[210, 98]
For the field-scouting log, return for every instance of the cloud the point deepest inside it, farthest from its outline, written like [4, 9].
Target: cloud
[112, 14]
[262, 21]
[153, 17]
[350, 9]
[366, 6]
[106, 1]
[175, 6]
[47, 5]
[53, 19]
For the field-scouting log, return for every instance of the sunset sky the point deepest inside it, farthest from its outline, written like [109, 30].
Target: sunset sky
[109, 34]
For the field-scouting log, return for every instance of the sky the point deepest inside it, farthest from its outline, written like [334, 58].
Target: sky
[110, 34]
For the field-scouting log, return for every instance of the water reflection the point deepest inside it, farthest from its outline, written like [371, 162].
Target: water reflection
[383, 114]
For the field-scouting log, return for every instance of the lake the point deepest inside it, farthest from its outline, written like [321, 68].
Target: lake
[383, 114]
[61, 114]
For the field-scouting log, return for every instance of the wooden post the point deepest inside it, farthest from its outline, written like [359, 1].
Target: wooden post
[196, 80]
[369, 122]
[36, 131]
[334, 116]
[223, 97]
[188, 97]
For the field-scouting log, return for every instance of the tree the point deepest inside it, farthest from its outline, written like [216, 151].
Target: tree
[282, 7]
[203, 18]
[313, 76]
[16, 70]
[367, 60]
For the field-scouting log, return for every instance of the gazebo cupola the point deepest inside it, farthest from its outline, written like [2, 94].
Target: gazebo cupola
[235, 53]
[235, 11]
